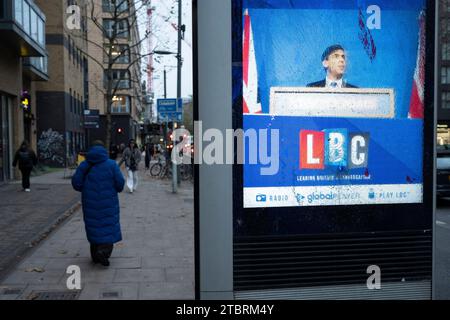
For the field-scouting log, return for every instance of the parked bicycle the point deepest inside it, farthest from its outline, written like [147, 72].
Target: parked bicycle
[161, 169]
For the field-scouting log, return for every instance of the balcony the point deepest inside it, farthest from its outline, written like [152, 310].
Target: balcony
[22, 26]
[36, 68]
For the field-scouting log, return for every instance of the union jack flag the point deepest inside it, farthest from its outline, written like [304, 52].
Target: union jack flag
[416, 106]
[250, 72]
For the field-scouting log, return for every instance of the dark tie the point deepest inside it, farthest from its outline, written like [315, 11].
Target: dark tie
[333, 84]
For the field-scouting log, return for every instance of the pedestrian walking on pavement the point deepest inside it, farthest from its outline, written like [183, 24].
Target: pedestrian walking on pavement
[26, 158]
[99, 180]
[149, 152]
[131, 157]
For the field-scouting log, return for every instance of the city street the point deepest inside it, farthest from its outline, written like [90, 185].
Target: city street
[155, 260]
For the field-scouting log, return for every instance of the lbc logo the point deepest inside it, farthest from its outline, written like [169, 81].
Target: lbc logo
[333, 147]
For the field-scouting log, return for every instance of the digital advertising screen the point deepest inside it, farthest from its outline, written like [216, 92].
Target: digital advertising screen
[332, 102]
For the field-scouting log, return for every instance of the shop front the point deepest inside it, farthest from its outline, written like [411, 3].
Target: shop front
[443, 134]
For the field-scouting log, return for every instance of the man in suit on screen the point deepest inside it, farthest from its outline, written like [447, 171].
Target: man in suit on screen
[334, 63]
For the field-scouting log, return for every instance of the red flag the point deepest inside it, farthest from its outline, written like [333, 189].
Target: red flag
[249, 72]
[416, 106]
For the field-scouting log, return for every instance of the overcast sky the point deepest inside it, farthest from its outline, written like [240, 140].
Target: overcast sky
[164, 37]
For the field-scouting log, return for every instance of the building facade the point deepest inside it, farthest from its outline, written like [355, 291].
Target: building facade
[114, 51]
[61, 100]
[443, 107]
[23, 65]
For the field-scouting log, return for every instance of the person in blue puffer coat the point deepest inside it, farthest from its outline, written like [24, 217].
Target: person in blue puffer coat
[99, 180]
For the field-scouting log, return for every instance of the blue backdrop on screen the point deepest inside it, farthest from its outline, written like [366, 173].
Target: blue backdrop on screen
[395, 151]
[289, 44]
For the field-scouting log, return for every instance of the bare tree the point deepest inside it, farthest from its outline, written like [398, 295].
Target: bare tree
[119, 22]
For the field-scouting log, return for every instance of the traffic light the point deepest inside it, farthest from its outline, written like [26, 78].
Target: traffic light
[25, 101]
[119, 130]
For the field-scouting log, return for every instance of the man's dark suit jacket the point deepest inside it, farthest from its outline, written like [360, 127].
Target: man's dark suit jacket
[321, 84]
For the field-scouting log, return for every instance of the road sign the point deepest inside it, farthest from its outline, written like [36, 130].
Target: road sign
[167, 105]
[171, 117]
[91, 119]
[170, 110]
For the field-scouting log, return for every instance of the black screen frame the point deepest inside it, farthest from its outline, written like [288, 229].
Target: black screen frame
[328, 220]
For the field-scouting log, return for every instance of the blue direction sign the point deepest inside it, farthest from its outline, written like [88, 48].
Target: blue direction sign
[169, 110]
[167, 105]
[171, 117]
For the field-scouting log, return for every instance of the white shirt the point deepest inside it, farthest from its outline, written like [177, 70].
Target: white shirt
[338, 83]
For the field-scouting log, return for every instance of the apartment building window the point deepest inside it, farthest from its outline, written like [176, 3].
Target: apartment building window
[18, 11]
[26, 17]
[34, 25]
[30, 20]
[70, 100]
[41, 32]
[78, 104]
[445, 51]
[121, 53]
[446, 26]
[119, 26]
[69, 49]
[75, 102]
[445, 75]
[73, 49]
[121, 104]
[446, 100]
[120, 79]
[113, 5]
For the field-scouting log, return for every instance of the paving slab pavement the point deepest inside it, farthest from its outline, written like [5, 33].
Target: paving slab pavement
[26, 218]
[154, 261]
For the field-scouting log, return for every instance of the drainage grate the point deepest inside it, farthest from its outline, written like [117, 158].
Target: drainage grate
[54, 295]
[8, 292]
[110, 294]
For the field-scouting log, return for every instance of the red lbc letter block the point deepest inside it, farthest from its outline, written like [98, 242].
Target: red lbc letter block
[312, 149]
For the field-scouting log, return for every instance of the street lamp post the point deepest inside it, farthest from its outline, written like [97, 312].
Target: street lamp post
[165, 83]
[179, 62]
[179, 66]
[174, 165]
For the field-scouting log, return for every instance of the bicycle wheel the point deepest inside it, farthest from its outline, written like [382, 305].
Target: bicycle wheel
[155, 170]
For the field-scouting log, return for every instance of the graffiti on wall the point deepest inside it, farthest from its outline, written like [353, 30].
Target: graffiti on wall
[51, 147]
